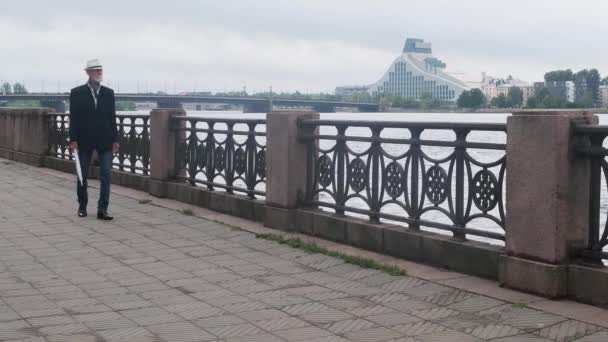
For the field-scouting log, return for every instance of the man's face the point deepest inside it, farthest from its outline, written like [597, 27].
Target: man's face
[95, 75]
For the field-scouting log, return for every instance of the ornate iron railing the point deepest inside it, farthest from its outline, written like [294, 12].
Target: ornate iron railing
[59, 135]
[592, 147]
[361, 170]
[133, 136]
[229, 154]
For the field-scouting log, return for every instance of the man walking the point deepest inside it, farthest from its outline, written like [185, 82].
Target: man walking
[93, 127]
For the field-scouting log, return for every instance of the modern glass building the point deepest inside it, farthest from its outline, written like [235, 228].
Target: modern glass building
[416, 73]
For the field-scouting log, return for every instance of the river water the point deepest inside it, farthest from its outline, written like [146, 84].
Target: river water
[435, 152]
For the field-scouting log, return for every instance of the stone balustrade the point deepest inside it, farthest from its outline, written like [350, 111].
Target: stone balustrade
[284, 175]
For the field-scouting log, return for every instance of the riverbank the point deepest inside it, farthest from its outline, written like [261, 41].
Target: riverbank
[487, 110]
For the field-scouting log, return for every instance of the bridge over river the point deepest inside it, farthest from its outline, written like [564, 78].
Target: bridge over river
[250, 104]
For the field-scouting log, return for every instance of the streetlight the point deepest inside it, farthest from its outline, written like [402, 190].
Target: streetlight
[270, 99]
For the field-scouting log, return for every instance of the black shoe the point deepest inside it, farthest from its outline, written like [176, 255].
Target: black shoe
[82, 213]
[103, 215]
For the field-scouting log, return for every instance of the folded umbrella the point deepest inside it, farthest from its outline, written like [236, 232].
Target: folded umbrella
[78, 169]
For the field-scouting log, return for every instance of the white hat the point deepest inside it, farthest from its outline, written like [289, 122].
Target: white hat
[93, 64]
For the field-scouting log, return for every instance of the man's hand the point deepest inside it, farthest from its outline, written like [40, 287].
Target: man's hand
[73, 145]
[115, 147]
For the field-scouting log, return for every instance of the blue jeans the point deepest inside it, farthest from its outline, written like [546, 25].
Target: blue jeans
[105, 174]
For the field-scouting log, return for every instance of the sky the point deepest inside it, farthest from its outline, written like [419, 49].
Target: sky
[305, 45]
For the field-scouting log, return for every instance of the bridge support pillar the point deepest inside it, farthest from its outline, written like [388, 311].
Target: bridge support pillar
[547, 201]
[286, 177]
[58, 105]
[162, 150]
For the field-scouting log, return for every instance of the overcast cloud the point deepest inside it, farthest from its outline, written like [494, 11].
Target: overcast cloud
[306, 45]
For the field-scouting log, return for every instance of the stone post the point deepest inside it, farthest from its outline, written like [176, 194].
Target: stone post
[547, 197]
[25, 134]
[285, 167]
[162, 150]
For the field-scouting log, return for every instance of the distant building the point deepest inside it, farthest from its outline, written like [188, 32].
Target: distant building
[604, 95]
[492, 87]
[580, 86]
[417, 73]
[350, 90]
[561, 89]
[489, 85]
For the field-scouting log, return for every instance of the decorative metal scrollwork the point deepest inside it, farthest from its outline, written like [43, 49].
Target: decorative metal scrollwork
[436, 185]
[260, 164]
[394, 177]
[240, 161]
[220, 158]
[325, 170]
[201, 156]
[357, 174]
[409, 172]
[484, 187]
[224, 160]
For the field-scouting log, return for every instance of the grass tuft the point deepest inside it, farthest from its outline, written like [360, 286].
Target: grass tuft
[144, 201]
[519, 306]
[186, 211]
[313, 248]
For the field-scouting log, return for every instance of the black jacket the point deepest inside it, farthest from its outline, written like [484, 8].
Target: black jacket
[90, 127]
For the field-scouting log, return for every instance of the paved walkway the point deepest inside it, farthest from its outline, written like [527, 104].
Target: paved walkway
[155, 274]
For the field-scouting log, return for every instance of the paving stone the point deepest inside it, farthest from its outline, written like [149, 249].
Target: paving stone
[150, 316]
[244, 307]
[392, 319]
[463, 321]
[73, 338]
[301, 334]
[326, 316]
[194, 310]
[522, 318]
[447, 298]
[601, 336]
[50, 320]
[281, 323]
[568, 331]
[64, 329]
[401, 283]
[236, 330]
[181, 331]
[419, 328]
[387, 298]
[349, 325]
[329, 339]
[126, 334]
[434, 313]
[528, 338]
[448, 335]
[347, 303]
[370, 310]
[219, 321]
[262, 315]
[255, 338]
[475, 304]
[493, 331]
[306, 308]
[410, 305]
[372, 335]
